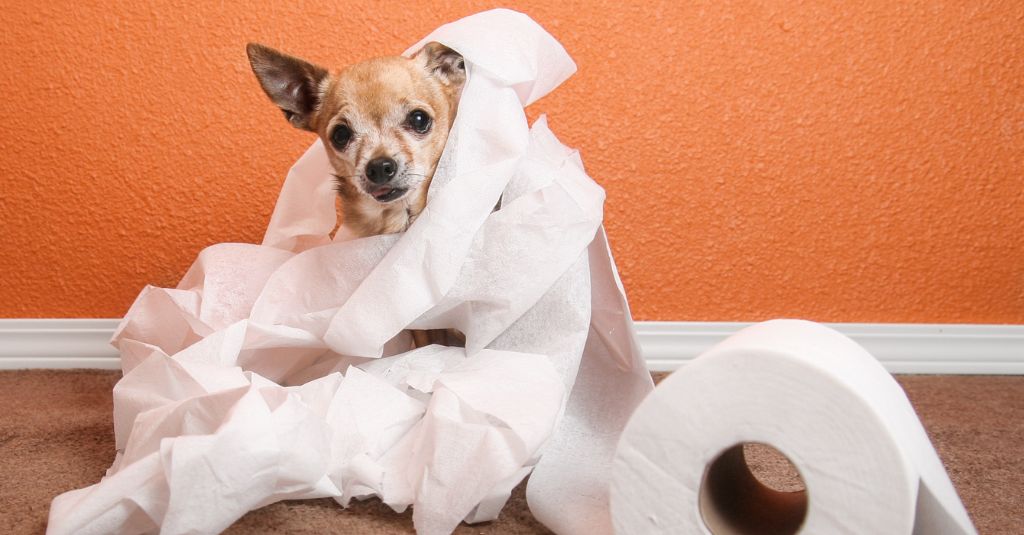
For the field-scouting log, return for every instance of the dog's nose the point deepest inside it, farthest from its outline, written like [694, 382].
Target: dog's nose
[380, 170]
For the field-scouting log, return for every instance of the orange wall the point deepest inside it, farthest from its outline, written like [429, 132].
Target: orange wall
[774, 158]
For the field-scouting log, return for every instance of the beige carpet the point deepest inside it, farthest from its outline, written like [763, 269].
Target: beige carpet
[56, 435]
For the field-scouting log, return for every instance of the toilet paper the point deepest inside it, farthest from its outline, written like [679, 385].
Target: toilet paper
[284, 370]
[815, 396]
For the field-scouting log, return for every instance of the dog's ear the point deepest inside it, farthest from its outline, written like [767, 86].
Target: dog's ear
[443, 63]
[291, 83]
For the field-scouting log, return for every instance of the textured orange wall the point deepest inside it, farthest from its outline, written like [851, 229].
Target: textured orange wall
[775, 158]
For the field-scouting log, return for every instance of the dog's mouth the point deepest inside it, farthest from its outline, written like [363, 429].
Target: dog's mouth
[386, 194]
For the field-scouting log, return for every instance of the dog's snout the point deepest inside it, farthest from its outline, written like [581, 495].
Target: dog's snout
[380, 170]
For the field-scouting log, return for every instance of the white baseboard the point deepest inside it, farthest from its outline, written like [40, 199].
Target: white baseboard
[667, 345]
[58, 343]
[901, 347]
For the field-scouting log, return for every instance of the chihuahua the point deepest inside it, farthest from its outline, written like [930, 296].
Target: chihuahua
[384, 123]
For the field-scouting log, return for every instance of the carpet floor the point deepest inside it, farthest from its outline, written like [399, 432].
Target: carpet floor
[56, 435]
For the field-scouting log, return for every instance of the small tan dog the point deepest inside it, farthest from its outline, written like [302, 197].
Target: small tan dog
[384, 123]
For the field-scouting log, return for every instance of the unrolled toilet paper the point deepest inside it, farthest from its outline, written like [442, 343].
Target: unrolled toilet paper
[284, 371]
[814, 395]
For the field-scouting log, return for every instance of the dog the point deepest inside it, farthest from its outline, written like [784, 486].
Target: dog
[384, 123]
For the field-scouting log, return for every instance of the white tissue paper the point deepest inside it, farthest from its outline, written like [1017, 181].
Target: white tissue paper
[283, 371]
[815, 396]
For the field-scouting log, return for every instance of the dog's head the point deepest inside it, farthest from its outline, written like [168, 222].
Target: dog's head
[384, 123]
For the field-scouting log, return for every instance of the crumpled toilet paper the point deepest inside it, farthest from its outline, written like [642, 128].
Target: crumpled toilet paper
[283, 370]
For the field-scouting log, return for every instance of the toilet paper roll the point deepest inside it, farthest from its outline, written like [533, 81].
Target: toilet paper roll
[815, 396]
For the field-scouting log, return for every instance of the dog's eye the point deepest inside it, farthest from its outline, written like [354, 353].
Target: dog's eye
[419, 121]
[340, 136]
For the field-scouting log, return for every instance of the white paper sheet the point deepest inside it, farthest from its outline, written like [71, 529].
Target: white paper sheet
[282, 370]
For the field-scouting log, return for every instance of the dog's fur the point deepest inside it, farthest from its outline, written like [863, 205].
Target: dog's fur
[375, 101]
